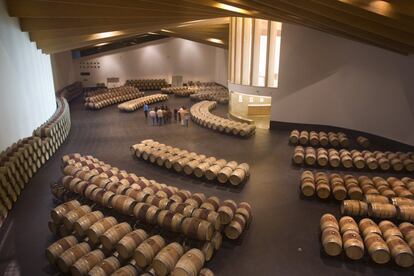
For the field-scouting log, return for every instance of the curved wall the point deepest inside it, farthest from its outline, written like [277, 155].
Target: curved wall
[27, 97]
[328, 80]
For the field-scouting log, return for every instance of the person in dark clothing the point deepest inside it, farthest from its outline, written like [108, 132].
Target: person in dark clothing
[175, 114]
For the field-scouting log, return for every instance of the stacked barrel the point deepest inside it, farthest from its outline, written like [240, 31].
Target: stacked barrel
[112, 96]
[71, 91]
[182, 91]
[200, 114]
[140, 102]
[148, 84]
[321, 138]
[20, 161]
[383, 241]
[97, 244]
[178, 211]
[192, 163]
[385, 161]
[347, 186]
[216, 93]
[363, 142]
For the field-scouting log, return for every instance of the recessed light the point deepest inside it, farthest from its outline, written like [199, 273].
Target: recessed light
[215, 40]
[231, 8]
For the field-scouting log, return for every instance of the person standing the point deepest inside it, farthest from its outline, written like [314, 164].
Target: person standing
[153, 116]
[175, 114]
[180, 111]
[160, 115]
[146, 108]
[186, 117]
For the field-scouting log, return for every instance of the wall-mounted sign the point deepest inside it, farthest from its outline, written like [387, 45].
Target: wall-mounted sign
[112, 80]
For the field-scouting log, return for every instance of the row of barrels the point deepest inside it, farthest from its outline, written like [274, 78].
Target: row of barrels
[140, 102]
[321, 138]
[192, 163]
[233, 217]
[214, 93]
[20, 161]
[200, 114]
[182, 91]
[396, 161]
[382, 241]
[339, 186]
[113, 96]
[378, 207]
[108, 237]
[148, 84]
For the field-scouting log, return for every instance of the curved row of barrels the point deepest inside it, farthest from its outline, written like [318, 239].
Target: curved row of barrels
[215, 93]
[396, 161]
[113, 96]
[341, 187]
[382, 241]
[140, 102]
[321, 138]
[148, 84]
[192, 163]
[380, 207]
[147, 199]
[20, 161]
[182, 91]
[363, 142]
[100, 245]
[71, 91]
[200, 114]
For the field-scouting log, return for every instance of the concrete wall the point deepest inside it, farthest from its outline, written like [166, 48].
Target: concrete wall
[328, 80]
[27, 97]
[158, 59]
[63, 69]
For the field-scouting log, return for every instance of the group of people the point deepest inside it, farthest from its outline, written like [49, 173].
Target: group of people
[163, 114]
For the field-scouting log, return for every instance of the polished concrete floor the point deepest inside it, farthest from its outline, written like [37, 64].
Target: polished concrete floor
[283, 238]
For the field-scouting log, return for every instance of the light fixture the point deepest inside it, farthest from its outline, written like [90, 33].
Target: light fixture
[215, 40]
[101, 44]
[151, 33]
[381, 7]
[166, 31]
[231, 8]
[106, 34]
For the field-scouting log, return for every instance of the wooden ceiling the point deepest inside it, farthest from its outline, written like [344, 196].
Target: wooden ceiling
[59, 25]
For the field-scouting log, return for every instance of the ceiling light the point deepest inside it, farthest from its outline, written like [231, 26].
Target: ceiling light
[106, 34]
[231, 8]
[381, 7]
[151, 33]
[101, 44]
[166, 31]
[215, 40]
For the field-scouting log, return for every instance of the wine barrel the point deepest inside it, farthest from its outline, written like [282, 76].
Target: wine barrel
[382, 210]
[180, 196]
[212, 172]
[200, 169]
[164, 262]
[72, 216]
[224, 174]
[353, 245]
[211, 216]
[354, 208]
[212, 203]
[190, 263]
[294, 137]
[227, 210]
[129, 242]
[83, 223]
[58, 247]
[236, 227]
[332, 241]
[146, 251]
[196, 199]
[100, 227]
[197, 229]
[205, 272]
[240, 173]
[389, 229]
[370, 198]
[113, 235]
[400, 251]
[377, 248]
[58, 212]
[87, 262]
[146, 212]
[182, 208]
[127, 270]
[124, 204]
[169, 220]
[245, 210]
[71, 255]
[328, 221]
[105, 267]
[347, 223]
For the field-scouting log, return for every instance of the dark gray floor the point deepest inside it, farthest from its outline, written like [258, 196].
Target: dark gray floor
[283, 238]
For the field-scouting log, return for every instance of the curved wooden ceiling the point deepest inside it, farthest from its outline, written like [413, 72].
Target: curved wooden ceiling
[59, 25]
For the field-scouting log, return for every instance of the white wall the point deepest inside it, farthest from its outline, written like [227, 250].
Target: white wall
[158, 59]
[27, 97]
[63, 69]
[328, 80]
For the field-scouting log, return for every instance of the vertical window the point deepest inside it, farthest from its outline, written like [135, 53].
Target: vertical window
[232, 47]
[260, 52]
[247, 50]
[274, 54]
